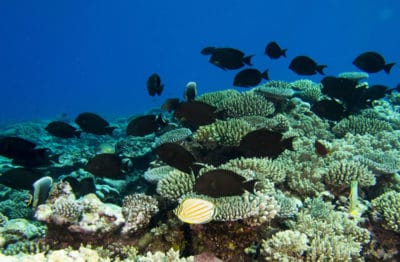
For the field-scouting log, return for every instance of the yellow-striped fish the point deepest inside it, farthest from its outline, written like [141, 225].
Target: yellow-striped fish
[195, 211]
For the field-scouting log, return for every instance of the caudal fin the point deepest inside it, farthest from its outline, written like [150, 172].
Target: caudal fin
[247, 60]
[284, 52]
[109, 130]
[388, 67]
[320, 69]
[249, 185]
[265, 75]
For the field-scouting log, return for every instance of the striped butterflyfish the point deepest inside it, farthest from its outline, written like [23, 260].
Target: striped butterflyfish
[195, 211]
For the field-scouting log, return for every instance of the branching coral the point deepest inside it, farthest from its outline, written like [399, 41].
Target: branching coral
[227, 133]
[155, 174]
[341, 173]
[261, 168]
[215, 98]
[138, 210]
[246, 104]
[175, 184]
[360, 125]
[386, 210]
[173, 136]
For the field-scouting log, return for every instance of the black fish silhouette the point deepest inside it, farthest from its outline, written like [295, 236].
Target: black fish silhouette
[329, 109]
[154, 85]
[195, 113]
[249, 77]
[144, 125]
[303, 65]
[92, 123]
[176, 156]
[372, 62]
[221, 183]
[227, 58]
[62, 130]
[105, 165]
[264, 143]
[274, 51]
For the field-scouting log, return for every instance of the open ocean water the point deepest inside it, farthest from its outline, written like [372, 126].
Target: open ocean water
[200, 131]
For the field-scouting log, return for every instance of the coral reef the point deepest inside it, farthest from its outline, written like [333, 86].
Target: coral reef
[360, 125]
[175, 184]
[385, 210]
[227, 133]
[173, 136]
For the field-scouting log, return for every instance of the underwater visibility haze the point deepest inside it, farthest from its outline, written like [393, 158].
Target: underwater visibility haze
[200, 130]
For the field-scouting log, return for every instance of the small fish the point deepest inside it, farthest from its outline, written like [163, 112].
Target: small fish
[249, 77]
[321, 149]
[346, 90]
[24, 152]
[195, 211]
[92, 123]
[329, 109]
[372, 62]
[176, 156]
[375, 92]
[154, 85]
[227, 58]
[264, 143]
[170, 104]
[195, 113]
[62, 130]
[221, 183]
[81, 187]
[20, 178]
[144, 125]
[105, 165]
[303, 65]
[41, 190]
[274, 51]
[190, 91]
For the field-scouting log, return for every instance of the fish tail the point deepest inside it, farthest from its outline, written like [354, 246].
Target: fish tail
[284, 52]
[249, 185]
[110, 130]
[388, 67]
[78, 134]
[247, 60]
[288, 143]
[265, 75]
[320, 69]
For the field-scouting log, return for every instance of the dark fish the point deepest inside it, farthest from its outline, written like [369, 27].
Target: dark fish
[81, 187]
[24, 153]
[190, 91]
[208, 50]
[227, 58]
[154, 85]
[375, 92]
[195, 113]
[372, 62]
[170, 104]
[222, 183]
[329, 109]
[92, 123]
[176, 156]
[303, 65]
[20, 178]
[105, 165]
[221, 155]
[346, 90]
[144, 125]
[274, 51]
[249, 77]
[264, 143]
[62, 129]
[321, 149]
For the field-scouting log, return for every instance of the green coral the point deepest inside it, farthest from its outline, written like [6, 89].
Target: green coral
[257, 168]
[175, 184]
[227, 133]
[360, 125]
[386, 210]
[288, 245]
[215, 98]
[341, 173]
[246, 104]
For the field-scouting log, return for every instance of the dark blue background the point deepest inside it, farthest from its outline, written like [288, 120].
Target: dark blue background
[74, 56]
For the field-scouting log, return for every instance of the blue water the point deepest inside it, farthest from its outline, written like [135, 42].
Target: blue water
[73, 56]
